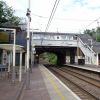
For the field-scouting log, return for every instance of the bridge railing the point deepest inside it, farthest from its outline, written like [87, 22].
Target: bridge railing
[88, 52]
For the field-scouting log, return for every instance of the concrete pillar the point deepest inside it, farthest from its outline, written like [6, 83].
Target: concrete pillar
[11, 57]
[61, 59]
[72, 56]
[97, 60]
[58, 60]
[78, 55]
[9, 62]
[25, 61]
[20, 68]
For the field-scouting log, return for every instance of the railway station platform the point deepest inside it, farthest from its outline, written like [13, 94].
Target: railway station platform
[45, 86]
[9, 90]
[90, 67]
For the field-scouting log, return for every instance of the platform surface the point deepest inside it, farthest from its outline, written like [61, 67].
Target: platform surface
[37, 90]
[45, 86]
[87, 67]
[9, 90]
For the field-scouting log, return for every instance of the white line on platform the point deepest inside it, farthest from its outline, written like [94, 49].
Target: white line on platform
[77, 98]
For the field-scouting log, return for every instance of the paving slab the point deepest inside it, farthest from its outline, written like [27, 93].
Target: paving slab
[37, 90]
[9, 90]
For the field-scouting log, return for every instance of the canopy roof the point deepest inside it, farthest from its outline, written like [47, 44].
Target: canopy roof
[9, 47]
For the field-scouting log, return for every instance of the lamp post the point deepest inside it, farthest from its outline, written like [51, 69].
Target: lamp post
[14, 53]
[28, 46]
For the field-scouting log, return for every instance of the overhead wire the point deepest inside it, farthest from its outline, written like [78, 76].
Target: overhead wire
[56, 18]
[93, 22]
[52, 14]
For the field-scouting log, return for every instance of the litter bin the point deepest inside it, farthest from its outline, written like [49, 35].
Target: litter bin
[81, 61]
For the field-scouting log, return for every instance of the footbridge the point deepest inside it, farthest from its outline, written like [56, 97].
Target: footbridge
[68, 47]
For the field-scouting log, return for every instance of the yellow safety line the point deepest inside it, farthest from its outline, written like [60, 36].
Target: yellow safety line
[55, 86]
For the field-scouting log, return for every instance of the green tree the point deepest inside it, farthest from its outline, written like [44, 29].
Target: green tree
[87, 31]
[49, 57]
[7, 14]
[94, 33]
[98, 34]
[52, 58]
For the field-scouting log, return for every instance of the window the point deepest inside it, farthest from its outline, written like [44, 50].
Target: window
[57, 37]
[63, 37]
[75, 37]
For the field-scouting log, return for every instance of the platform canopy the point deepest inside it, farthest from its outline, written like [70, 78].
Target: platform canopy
[9, 47]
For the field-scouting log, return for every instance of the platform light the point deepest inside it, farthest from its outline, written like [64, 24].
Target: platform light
[28, 46]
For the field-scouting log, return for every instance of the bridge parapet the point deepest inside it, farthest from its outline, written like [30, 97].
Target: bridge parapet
[69, 43]
[43, 39]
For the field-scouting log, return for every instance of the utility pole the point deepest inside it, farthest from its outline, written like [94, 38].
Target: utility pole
[28, 46]
[14, 57]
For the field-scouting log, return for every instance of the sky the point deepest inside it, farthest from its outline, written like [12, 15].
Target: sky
[71, 16]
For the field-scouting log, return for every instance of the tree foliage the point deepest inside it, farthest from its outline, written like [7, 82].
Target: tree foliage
[94, 33]
[50, 57]
[7, 14]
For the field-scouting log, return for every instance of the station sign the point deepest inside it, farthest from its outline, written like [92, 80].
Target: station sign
[6, 37]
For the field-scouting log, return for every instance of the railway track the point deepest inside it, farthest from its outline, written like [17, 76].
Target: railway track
[91, 74]
[85, 86]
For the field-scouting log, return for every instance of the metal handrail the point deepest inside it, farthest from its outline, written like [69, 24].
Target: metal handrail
[85, 44]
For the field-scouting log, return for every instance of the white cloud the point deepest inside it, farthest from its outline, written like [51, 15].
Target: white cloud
[77, 10]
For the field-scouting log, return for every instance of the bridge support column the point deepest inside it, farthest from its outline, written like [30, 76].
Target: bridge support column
[25, 62]
[61, 59]
[72, 56]
[98, 59]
